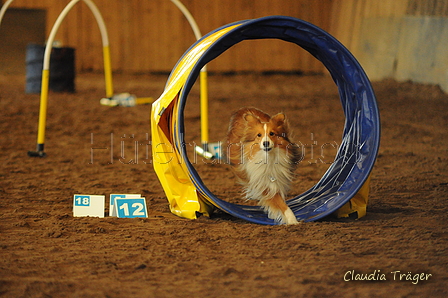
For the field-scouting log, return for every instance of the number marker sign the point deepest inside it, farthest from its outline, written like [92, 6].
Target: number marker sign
[88, 205]
[113, 197]
[131, 207]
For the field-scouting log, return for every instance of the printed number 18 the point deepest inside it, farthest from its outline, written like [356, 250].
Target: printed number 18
[82, 201]
[137, 212]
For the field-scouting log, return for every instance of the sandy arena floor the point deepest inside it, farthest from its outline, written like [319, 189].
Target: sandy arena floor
[46, 252]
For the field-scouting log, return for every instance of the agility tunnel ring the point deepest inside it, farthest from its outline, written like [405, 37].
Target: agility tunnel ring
[344, 188]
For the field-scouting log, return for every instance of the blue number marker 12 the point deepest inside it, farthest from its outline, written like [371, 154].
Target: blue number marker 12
[130, 208]
[113, 197]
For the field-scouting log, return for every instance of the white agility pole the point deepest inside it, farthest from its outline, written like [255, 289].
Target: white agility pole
[46, 69]
[3, 9]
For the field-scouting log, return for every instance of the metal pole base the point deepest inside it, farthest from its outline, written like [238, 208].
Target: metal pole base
[36, 154]
[39, 151]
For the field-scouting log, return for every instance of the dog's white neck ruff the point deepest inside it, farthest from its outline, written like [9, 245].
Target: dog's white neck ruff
[268, 173]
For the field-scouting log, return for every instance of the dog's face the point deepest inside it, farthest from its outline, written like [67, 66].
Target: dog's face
[267, 135]
[253, 135]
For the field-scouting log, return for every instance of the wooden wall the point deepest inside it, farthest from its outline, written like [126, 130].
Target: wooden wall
[151, 35]
[400, 39]
[349, 15]
[29, 24]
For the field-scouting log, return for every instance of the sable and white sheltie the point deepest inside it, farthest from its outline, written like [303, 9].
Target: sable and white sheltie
[264, 159]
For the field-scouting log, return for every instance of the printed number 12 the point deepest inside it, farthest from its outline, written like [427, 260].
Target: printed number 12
[138, 211]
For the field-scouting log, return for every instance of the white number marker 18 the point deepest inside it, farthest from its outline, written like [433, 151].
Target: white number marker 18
[88, 205]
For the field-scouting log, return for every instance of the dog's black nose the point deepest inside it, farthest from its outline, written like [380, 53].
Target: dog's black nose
[266, 144]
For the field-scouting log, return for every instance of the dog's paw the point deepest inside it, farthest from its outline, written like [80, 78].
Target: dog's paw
[290, 218]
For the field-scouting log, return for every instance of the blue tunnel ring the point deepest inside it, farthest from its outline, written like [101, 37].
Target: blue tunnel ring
[361, 136]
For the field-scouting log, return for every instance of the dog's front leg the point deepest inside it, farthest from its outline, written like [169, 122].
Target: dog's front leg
[277, 209]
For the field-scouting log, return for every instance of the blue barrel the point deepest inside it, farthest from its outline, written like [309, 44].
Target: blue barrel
[62, 69]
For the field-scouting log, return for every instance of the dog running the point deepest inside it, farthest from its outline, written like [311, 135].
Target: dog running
[264, 159]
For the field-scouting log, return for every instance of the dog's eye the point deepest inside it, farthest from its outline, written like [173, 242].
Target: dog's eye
[271, 134]
[259, 135]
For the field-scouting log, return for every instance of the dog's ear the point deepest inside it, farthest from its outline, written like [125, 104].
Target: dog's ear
[251, 118]
[279, 119]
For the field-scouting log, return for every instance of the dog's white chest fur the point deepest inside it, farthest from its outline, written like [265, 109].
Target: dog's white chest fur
[268, 173]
